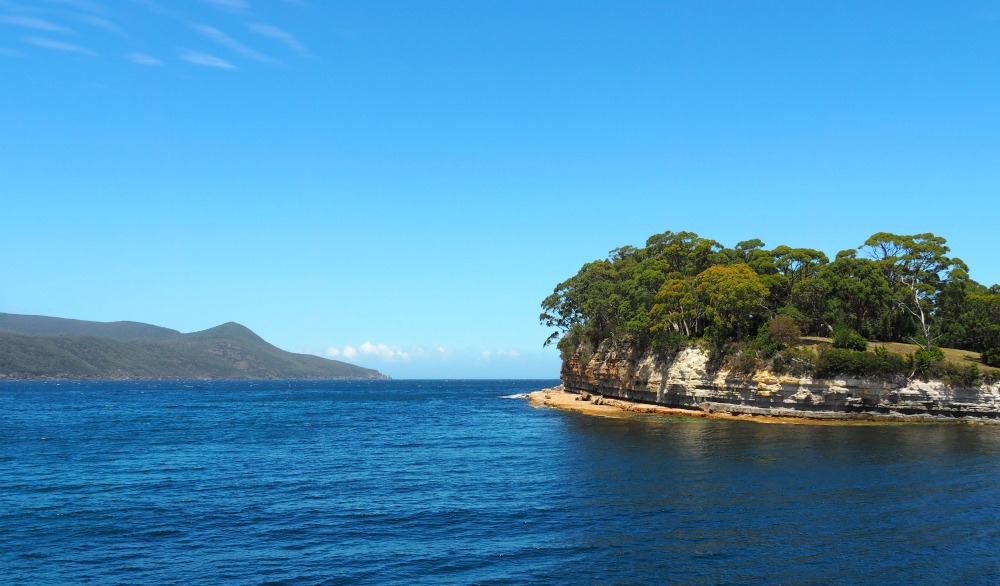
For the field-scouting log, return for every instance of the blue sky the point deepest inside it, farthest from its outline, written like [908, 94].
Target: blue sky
[400, 184]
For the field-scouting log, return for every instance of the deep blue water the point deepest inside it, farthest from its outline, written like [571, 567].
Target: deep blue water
[404, 482]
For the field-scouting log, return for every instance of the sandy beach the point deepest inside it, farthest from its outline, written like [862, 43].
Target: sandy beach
[558, 398]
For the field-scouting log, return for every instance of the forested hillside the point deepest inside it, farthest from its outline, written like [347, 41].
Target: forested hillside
[123, 331]
[39, 347]
[752, 304]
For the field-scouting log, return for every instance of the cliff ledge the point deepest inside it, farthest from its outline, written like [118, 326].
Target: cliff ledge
[686, 382]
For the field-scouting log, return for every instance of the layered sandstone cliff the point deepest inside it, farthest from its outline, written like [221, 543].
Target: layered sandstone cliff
[686, 381]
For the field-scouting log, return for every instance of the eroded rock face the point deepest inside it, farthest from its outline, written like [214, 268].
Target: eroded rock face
[685, 381]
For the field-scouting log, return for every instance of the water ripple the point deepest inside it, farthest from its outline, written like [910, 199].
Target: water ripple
[429, 482]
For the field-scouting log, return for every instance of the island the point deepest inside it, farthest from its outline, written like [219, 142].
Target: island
[36, 347]
[893, 330]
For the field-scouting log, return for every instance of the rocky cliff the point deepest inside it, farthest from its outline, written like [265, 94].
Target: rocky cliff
[686, 381]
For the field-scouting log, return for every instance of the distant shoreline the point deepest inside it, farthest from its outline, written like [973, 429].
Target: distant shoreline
[7, 379]
[38, 347]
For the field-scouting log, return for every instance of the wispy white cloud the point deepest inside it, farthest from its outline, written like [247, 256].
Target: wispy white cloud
[59, 46]
[39, 24]
[143, 59]
[240, 34]
[206, 60]
[506, 353]
[384, 351]
[275, 33]
[225, 40]
[387, 352]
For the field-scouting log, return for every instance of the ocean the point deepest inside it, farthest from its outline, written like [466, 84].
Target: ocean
[462, 482]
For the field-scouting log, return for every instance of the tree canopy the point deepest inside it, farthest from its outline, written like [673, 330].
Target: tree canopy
[680, 286]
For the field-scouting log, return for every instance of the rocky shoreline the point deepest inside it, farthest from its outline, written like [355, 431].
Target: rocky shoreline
[597, 405]
[683, 385]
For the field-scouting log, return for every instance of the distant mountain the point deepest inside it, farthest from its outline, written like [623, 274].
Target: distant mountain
[39, 347]
[123, 331]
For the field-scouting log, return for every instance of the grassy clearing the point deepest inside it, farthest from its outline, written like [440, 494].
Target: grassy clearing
[951, 355]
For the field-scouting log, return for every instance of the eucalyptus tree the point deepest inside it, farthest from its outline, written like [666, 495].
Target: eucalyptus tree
[680, 285]
[790, 267]
[685, 253]
[678, 308]
[733, 297]
[916, 268]
[859, 296]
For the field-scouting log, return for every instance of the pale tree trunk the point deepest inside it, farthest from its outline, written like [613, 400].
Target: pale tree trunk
[919, 314]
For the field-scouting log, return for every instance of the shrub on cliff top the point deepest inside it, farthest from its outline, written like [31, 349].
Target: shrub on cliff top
[794, 361]
[966, 376]
[843, 337]
[836, 361]
[667, 343]
[743, 358]
[991, 357]
[571, 341]
[784, 330]
[929, 363]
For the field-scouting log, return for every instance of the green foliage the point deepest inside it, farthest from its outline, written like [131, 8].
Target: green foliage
[585, 352]
[790, 267]
[733, 297]
[678, 308]
[853, 292]
[667, 343]
[969, 317]
[843, 337]
[763, 344]
[743, 359]
[794, 361]
[684, 253]
[810, 300]
[916, 269]
[681, 288]
[801, 320]
[990, 376]
[968, 376]
[568, 344]
[928, 362]
[991, 357]
[576, 343]
[839, 361]
[784, 330]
